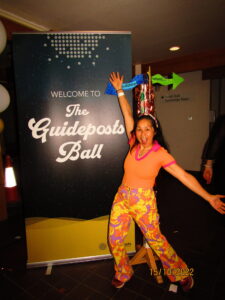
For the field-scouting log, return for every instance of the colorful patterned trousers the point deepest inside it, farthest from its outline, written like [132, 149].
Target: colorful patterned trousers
[139, 204]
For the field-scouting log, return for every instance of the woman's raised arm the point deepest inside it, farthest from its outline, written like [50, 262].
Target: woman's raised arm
[117, 81]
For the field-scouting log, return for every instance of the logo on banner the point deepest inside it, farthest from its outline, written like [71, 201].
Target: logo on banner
[74, 50]
[75, 54]
[72, 150]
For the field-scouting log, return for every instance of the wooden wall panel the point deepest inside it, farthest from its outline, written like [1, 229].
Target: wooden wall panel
[188, 63]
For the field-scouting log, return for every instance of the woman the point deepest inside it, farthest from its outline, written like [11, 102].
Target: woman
[136, 199]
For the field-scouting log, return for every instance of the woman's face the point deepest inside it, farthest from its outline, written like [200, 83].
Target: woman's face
[145, 133]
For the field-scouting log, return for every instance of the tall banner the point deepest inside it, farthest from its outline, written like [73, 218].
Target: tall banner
[72, 139]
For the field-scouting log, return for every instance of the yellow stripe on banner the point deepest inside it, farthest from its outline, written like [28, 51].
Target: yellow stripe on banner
[50, 239]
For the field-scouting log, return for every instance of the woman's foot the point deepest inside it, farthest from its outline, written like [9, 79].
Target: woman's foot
[117, 283]
[187, 283]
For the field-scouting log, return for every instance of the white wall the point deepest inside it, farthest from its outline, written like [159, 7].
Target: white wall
[184, 116]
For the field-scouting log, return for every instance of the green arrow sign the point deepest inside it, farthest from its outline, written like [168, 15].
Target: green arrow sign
[175, 80]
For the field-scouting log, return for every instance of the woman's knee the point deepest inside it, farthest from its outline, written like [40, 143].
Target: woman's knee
[115, 242]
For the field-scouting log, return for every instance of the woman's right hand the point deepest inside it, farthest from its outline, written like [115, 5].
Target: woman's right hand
[116, 80]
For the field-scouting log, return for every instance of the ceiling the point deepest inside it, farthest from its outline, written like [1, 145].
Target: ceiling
[195, 25]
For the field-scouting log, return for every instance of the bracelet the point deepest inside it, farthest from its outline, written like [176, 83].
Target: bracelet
[207, 166]
[120, 94]
[119, 90]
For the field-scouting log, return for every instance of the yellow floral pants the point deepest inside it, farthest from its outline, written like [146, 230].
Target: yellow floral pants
[140, 204]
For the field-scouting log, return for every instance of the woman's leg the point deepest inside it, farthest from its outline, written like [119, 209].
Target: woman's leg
[145, 213]
[119, 225]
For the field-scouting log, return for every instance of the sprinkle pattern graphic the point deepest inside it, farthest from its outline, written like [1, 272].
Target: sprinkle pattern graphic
[75, 46]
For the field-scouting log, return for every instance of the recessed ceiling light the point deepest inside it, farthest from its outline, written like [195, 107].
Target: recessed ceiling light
[174, 48]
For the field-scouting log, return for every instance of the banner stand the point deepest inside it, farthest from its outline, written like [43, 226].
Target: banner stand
[72, 140]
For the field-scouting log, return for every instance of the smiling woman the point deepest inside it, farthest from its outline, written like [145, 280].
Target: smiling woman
[136, 199]
[144, 134]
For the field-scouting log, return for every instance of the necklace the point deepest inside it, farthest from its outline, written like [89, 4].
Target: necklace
[142, 154]
[143, 151]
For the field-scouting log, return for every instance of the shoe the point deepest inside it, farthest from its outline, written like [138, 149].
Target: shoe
[187, 283]
[117, 283]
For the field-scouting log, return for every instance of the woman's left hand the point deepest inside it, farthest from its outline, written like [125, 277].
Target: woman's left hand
[217, 204]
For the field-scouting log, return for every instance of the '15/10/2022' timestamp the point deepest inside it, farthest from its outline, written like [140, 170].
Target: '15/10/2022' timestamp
[176, 271]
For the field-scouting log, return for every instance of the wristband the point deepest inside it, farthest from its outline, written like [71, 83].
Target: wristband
[120, 94]
[119, 90]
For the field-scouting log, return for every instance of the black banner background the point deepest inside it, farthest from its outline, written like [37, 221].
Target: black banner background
[80, 188]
